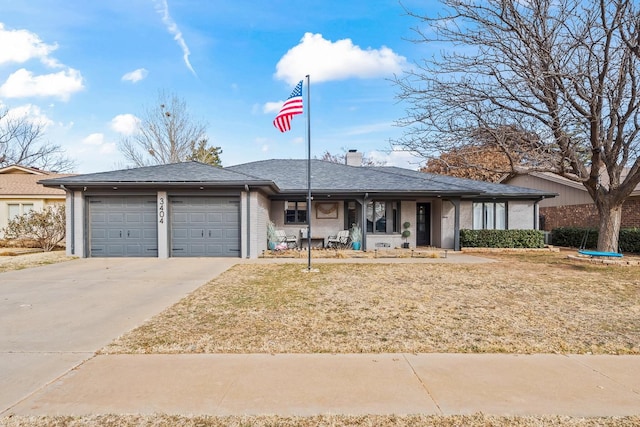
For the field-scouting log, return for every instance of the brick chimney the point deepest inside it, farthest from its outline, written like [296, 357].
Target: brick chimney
[353, 158]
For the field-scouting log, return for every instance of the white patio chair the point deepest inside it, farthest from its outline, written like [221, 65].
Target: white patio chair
[290, 239]
[341, 240]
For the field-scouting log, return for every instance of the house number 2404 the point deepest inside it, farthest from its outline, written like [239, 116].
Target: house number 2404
[161, 210]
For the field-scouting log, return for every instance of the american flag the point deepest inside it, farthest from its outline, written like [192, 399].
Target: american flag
[291, 107]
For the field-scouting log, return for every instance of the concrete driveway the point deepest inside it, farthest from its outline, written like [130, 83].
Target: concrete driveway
[53, 318]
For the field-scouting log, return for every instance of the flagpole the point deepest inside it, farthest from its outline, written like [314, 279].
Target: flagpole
[308, 173]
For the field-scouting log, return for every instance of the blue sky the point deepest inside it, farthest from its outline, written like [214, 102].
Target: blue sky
[87, 69]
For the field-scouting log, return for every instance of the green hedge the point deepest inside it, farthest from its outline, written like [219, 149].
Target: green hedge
[502, 238]
[573, 236]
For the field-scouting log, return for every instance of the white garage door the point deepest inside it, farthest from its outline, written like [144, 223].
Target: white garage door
[123, 226]
[205, 226]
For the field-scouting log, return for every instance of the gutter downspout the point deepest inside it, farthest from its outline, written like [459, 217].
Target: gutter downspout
[71, 219]
[248, 253]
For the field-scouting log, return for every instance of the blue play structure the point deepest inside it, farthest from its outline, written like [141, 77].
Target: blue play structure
[599, 253]
[583, 251]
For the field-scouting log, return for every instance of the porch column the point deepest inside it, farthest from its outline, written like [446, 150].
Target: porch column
[363, 224]
[456, 224]
[79, 233]
[163, 228]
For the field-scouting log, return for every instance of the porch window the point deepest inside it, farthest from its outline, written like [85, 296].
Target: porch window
[490, 216]
[383, 216]
[295, 213]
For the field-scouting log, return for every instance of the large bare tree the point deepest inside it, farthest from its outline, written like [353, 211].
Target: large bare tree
[565, 70]
[22, 143]
[167, 133]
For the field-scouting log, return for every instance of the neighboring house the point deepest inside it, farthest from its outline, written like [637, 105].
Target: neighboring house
[573, 207]
[20, 192]
[193, 209]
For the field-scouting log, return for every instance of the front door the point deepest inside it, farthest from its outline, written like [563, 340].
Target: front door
[423, 224]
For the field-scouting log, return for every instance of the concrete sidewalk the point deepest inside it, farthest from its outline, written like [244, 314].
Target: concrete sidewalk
[355, 384]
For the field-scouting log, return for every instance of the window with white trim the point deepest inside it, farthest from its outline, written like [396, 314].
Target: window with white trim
[489, 215]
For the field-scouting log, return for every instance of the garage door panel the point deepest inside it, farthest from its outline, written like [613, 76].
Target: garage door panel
[197, 218]
[206, 231]
[149, 234]
[196, 233]
[216, 233]
[232, 234]
[123, 226]
[115, 218]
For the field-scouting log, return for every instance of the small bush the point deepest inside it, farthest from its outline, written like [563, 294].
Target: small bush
[502, 238]
[46, 227]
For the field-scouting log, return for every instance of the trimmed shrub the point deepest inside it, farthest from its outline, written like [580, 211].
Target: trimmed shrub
[630, 240]
[502, 238]
[573, 237]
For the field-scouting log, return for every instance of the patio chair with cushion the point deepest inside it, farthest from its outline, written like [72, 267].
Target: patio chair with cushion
[339, 241]
[291, 240]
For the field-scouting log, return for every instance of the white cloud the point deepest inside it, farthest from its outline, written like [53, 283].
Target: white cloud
[370, 128]
[395, 157]
[19, 46]
[325, 60]
[23, 83]
[136, 75]
[163, 9]
[33, 114]
[272, 107]
[108, 148]
[94, 139]
[95, 143]
[125, 124]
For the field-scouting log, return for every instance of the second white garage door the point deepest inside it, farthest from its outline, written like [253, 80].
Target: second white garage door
[205, 226]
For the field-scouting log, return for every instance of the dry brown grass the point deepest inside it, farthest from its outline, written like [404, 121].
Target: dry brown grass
[21, 258]
[524, 303]
[478, 420]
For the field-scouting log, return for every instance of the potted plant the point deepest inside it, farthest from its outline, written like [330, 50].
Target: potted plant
[356, 236]
[405, 234]
[272, 238]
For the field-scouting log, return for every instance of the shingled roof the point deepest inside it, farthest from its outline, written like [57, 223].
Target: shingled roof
[23, 181]
[174, 174]
[289, 176]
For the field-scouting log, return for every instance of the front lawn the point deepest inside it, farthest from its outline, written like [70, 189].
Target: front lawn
[534, 303]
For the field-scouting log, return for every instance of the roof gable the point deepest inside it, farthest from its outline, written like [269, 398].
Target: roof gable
[25, 184]
[22, 170]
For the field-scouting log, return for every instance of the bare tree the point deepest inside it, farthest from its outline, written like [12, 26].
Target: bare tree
[166, 134]
[564, 70]
[21, 143]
